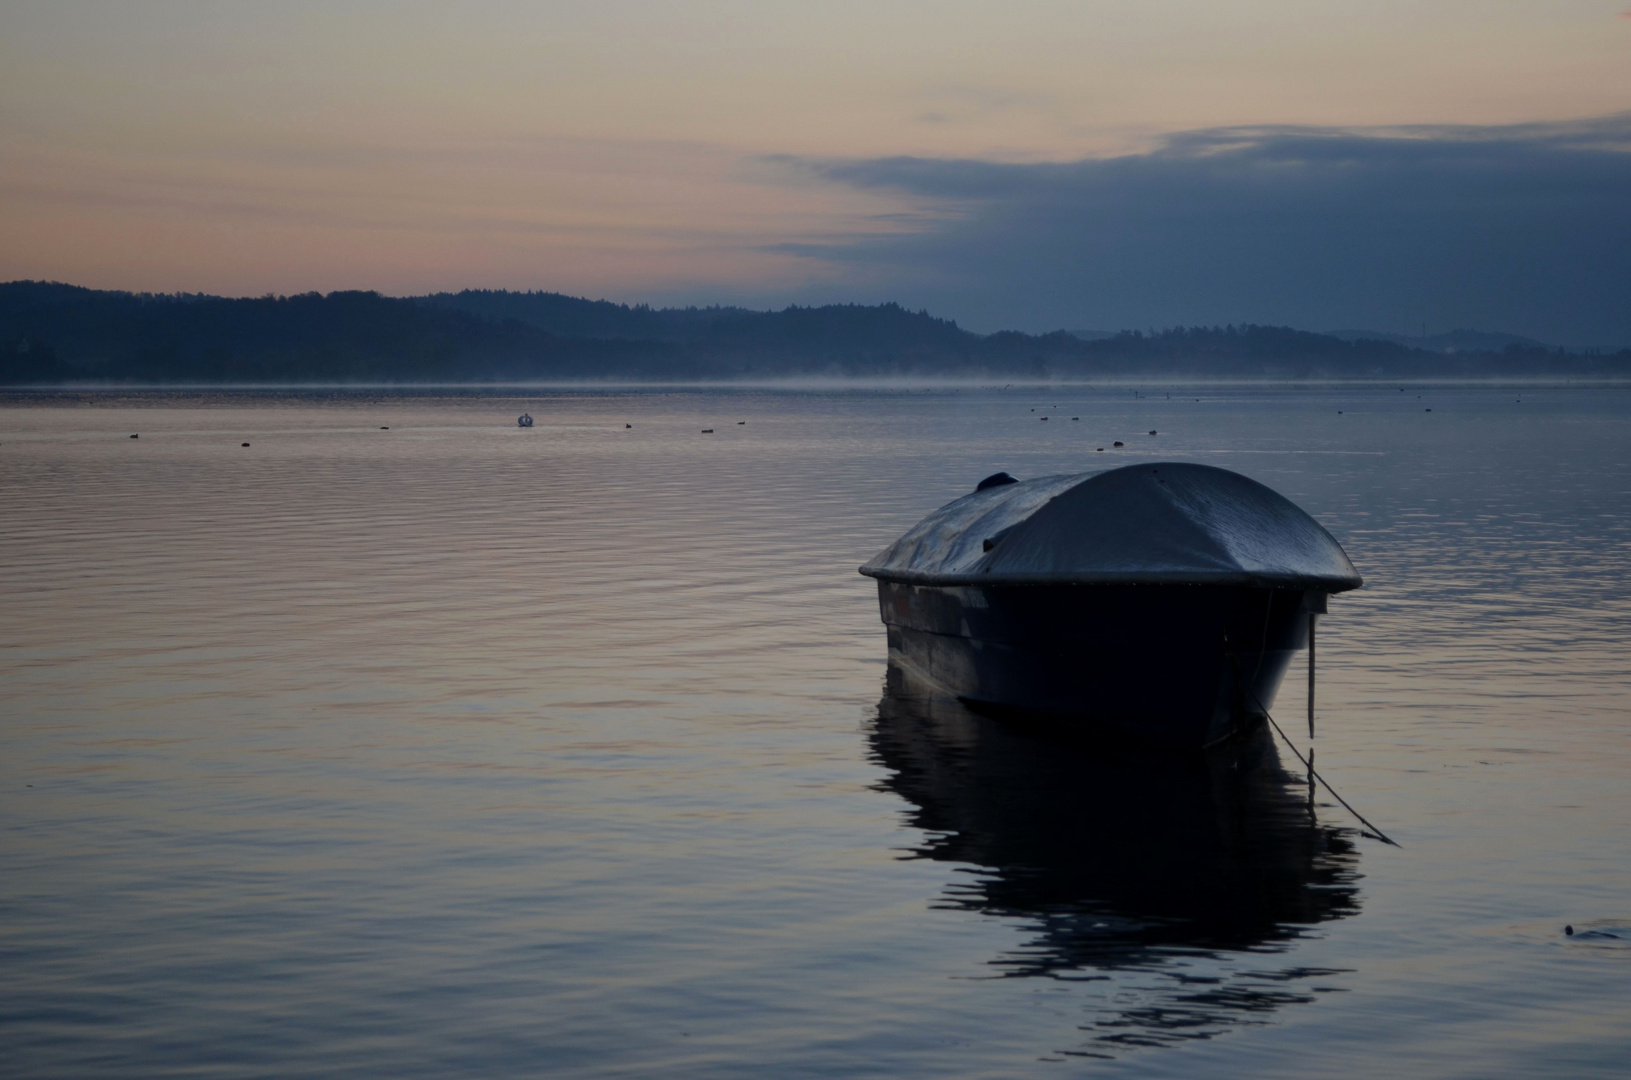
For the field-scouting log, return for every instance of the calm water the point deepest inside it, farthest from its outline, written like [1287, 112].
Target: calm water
[457, 749]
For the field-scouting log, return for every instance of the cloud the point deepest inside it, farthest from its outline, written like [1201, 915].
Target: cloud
[1524, 228]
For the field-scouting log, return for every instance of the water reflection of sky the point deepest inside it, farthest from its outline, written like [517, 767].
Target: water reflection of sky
[458, 748]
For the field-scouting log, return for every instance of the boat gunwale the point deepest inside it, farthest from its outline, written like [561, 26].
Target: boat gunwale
[1119, 577]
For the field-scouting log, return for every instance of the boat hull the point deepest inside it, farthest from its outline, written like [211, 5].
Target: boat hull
[1176, 666]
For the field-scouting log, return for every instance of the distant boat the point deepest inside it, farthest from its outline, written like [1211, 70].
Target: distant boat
[1160, 602]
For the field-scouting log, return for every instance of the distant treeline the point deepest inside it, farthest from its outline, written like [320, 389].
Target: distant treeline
[51, 333]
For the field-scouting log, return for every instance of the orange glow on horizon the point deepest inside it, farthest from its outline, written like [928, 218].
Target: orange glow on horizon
[619, 150]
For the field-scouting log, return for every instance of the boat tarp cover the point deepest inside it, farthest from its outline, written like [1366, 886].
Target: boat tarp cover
[1161, 523]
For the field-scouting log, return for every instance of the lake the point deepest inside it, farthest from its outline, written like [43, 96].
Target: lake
[407, 742]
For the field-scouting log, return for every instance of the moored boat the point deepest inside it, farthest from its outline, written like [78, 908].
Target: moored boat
[1161, 602]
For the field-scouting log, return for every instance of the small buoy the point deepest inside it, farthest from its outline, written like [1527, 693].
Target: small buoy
[1569, 930]
[1118, 443]
[707, 431]
[246, 444]
[524, 420]
[135, 436]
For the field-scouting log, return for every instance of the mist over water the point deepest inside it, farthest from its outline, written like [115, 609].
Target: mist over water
[407, 742]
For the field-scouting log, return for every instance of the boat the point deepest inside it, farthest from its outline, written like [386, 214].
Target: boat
[1159, 602]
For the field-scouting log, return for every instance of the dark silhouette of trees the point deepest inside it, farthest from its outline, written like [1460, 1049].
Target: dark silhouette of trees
[55, 333]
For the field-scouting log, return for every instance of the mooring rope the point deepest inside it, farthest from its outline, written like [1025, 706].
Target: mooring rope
[1234, 659]
[1374, 831]
[1308, 764]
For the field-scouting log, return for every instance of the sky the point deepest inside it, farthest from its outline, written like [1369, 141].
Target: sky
[1097, 164]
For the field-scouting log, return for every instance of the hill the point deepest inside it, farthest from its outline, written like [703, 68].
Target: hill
[51, 333]
[1453, 341]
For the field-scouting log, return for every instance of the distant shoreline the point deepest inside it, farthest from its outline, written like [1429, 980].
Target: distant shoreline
[66, 336]
[513, 389]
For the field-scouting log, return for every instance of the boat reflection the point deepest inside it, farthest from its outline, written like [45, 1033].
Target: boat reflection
[1170, 879]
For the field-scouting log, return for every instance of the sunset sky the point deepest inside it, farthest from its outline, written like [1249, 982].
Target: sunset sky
[1034, 165]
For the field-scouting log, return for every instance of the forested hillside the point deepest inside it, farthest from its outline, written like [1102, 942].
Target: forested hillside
[55, 333]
